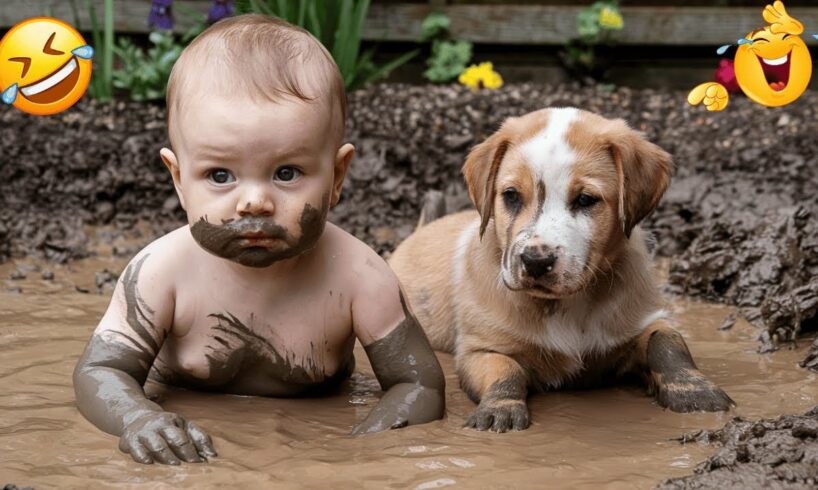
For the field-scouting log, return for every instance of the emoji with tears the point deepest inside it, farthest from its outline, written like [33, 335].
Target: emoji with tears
[45, 66]
[772, 64]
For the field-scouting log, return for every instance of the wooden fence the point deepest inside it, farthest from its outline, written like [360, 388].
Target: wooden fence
[480, 23]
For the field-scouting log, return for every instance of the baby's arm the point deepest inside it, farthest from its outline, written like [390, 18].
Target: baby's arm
[110, 374]
[400, 354]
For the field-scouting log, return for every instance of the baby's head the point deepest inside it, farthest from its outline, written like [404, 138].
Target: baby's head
[256, 111]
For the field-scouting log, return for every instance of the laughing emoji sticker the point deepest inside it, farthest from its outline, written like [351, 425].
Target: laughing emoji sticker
[45, 66]
[772, 64]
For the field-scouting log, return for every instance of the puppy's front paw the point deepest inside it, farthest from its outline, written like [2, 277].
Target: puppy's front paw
[499, 416]
[689, 391]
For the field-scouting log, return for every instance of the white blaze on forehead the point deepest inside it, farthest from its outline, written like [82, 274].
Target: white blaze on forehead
[548, 150]
[552, 160]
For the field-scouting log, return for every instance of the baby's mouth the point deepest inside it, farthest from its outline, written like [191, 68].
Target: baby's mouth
[776, 71]
[257, 239]
[55, 86]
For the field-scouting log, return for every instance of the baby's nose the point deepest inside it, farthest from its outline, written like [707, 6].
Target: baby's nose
[255, 201]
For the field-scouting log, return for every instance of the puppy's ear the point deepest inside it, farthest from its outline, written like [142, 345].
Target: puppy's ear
[643, 170]
[480, 172]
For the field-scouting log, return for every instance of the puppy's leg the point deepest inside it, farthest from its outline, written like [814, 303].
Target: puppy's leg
[673, 376]
[500, 386]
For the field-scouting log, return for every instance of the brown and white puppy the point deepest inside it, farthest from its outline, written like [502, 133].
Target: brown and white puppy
[549, 284]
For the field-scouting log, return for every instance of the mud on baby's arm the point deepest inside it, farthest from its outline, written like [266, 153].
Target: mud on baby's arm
[401, 356]
[109, 377]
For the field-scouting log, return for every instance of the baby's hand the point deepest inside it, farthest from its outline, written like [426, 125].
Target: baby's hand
[167, 438]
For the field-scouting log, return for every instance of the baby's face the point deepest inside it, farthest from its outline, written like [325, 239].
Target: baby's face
[256, 179]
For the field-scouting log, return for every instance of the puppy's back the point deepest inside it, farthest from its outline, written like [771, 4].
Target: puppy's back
[425, 264]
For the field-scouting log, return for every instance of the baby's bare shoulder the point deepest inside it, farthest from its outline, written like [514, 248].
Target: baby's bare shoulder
[353, 258]
[161, 260]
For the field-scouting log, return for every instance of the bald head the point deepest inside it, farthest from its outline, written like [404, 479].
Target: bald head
[259, 57]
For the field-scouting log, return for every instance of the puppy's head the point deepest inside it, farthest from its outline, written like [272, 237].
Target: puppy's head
[563, 188]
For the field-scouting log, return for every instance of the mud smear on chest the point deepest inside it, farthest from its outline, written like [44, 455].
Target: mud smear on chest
[243, 362]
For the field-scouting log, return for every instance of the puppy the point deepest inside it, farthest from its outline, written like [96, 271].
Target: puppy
[549, 283]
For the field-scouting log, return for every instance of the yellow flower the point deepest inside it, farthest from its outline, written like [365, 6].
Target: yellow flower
[610, 18]
[481, 76]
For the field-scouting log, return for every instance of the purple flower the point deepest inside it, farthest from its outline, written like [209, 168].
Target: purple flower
[161, 15]
[219, 10]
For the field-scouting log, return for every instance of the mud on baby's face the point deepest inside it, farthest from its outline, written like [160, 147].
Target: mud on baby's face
[256, 179]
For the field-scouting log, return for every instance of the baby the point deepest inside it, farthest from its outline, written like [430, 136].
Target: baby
[258, 295]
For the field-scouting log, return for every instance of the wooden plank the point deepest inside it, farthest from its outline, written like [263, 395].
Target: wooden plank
[532, 24]
[492, 24]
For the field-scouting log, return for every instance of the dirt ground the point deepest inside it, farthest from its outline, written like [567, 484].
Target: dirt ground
[738, 222]
[774, 453]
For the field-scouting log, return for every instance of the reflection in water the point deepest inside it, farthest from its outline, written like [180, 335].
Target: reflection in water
[611, 437]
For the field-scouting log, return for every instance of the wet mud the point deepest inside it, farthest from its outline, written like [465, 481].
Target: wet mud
[611, 437]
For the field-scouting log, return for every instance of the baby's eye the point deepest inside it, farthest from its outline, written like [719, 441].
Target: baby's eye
[287, 174]
[220, 176]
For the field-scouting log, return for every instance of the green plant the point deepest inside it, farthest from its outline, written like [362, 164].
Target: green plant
[448, 60]
[338, 24]
[448, 57]
[144, 74]
[595, 27]
[435, 26]
[101, 85]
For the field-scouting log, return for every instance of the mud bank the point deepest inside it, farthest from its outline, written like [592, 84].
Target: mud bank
[769, 453]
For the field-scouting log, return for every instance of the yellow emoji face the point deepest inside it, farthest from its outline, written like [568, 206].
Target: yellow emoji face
[45, 66]
[772, 69]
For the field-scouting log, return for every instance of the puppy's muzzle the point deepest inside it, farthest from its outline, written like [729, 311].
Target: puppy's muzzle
[538, 261]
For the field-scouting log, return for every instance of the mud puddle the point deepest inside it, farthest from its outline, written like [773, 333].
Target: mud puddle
[609, 438]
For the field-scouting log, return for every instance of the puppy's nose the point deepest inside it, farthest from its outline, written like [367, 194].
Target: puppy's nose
[536, 263]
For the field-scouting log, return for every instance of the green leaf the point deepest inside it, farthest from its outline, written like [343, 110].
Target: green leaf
[242, 6]
[384, 70]
[448, 60]
[436, 24]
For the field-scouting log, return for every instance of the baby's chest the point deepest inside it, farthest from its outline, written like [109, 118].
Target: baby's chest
[255, 348]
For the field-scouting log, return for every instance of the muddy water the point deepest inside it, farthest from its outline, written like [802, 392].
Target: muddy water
[609, 438]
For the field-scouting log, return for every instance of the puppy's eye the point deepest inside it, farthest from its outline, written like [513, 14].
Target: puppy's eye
[585, 201]
[287, 174]
[220, 176]
[512, 199]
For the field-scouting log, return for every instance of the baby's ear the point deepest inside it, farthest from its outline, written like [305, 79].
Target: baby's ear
[169, 158]
[342, 160]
